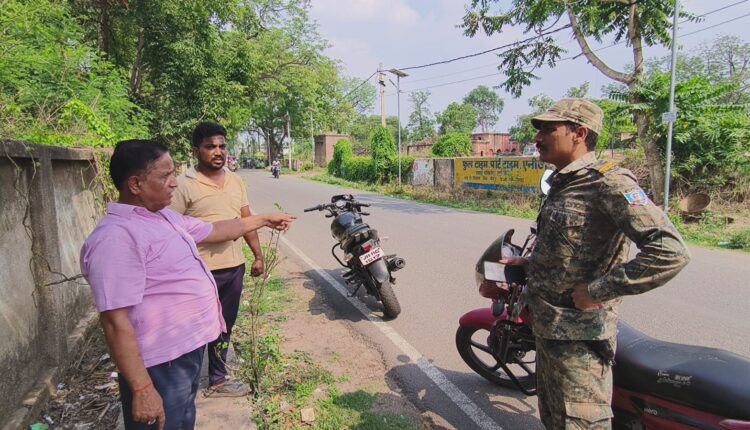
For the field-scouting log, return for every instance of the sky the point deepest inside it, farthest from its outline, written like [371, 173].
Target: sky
[404, 33]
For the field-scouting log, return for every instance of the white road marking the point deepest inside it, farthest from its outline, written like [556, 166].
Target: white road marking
[474, 412]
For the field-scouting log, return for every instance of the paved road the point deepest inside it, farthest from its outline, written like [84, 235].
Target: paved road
[707, 304]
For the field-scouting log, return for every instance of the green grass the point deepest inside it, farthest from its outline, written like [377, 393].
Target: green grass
[714, 231]
[711, 230]
[354, 411]
[514, 204]
[293, 382]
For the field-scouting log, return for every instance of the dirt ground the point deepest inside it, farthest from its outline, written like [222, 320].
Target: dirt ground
[336, 347]
[87, 397]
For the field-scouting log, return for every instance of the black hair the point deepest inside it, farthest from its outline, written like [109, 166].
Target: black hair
[591, 138]
[207, 129]
[131, 157]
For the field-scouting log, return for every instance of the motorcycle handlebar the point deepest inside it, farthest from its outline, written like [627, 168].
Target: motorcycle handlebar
[314, 208]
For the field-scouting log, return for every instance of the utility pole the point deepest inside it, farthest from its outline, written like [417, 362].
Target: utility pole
[381, 81]
[288, 120]
[399, 74]
[671, 116]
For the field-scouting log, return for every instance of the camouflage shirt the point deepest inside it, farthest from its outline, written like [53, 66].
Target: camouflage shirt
[593, 210]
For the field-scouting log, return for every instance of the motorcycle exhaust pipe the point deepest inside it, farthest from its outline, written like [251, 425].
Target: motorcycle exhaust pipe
[396, 263]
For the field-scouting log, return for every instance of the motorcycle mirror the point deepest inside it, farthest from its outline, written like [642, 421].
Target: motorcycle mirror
[543, 184]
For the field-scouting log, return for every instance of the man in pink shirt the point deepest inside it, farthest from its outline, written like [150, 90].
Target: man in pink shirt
[157, 299]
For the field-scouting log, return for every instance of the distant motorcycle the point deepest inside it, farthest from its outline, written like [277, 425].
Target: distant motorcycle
[363, 256]
[232, 164]
[276, 170]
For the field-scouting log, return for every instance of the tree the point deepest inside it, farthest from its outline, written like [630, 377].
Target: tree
[487, 104]
[55, 88]
[421, 125]
[362, 128]
[725, 60]
[461, 118]
[581, 91]
[452, 144]
[711, 139]
[728, 58]
[638, 23]
[523, 132]
[242, 63]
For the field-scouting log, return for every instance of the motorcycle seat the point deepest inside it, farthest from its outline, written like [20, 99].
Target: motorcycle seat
[356, 228]
[355, 233]
[708, 379]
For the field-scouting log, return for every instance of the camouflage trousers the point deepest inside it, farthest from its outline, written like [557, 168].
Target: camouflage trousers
[574, 386]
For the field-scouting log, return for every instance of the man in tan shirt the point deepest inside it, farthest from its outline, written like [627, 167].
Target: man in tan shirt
[212, 193]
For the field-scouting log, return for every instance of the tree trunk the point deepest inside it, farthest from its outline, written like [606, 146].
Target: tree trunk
[654, 161]
[137, 71]
[102, 35]
[273, 143]
[650, 148]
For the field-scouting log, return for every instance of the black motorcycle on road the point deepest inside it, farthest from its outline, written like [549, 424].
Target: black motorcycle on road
[363, 256]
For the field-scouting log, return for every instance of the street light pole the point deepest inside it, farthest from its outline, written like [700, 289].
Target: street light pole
[288, 120]
[399, 74]
[672, 114]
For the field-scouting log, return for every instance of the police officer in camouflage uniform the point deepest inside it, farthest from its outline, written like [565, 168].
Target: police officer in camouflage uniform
[579, 268]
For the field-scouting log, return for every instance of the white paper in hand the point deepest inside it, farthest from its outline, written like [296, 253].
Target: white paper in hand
[494, 271]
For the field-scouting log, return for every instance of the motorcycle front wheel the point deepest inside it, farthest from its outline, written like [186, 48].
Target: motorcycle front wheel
[472, 344]
[391, 307]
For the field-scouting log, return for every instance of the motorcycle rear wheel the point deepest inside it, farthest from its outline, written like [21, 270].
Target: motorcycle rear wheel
[471, 343]
[391, 307]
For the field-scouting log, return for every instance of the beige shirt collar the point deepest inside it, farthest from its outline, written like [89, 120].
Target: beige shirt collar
[192, 173]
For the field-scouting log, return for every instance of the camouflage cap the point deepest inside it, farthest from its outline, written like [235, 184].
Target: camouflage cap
[579, 111]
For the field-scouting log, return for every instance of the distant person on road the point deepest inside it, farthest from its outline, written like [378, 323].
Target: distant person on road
[157, 300]
[579, 268]
[211, 193]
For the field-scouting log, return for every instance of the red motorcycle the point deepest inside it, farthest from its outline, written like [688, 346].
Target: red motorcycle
[657, 385]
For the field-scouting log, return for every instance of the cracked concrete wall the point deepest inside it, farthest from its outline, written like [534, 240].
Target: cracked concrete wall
[77, 215]
[19, 320]
[47, 209]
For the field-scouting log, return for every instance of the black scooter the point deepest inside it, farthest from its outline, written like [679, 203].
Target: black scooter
[363, 256]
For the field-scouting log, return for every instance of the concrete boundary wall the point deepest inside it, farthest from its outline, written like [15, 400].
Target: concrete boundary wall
[487, 173]
[48, 205]
[444, 174]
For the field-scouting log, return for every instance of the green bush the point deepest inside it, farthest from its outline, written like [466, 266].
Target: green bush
[383, 151]
[739, 240]
[406, 163]
[306, 166]
[360, 169]
[341, 152]
[452, 144]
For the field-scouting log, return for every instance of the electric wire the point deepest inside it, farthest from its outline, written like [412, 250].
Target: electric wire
[560, 44]
[408, 91]
[476, 54]
[360, 84]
